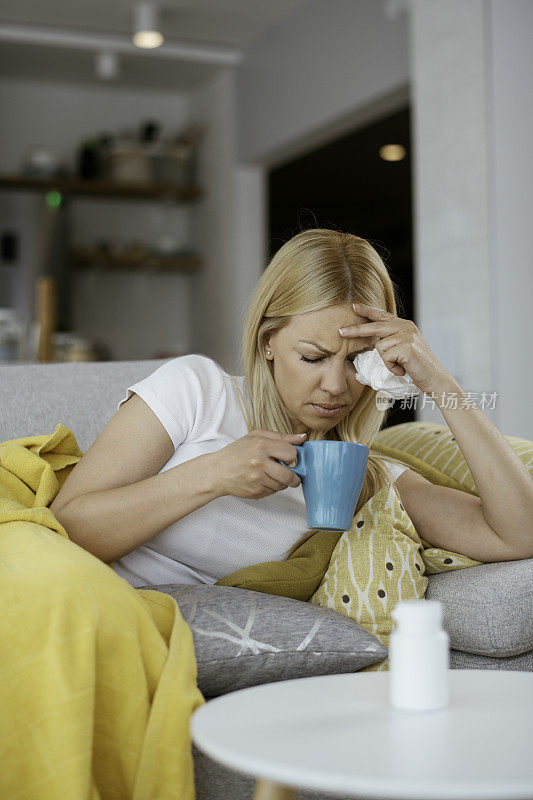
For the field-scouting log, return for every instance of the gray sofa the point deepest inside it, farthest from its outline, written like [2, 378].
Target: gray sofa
[488, 609]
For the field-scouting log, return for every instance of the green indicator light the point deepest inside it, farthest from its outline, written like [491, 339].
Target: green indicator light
[54, 199]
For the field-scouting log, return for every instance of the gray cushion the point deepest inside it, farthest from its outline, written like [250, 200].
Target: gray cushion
[487, 609]
[243, 638]
[84, 396]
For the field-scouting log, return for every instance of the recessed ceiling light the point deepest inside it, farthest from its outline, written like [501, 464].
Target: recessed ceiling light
[147, 34]
[392, 152]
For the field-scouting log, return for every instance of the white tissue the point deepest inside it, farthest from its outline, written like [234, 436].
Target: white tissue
[371, 371]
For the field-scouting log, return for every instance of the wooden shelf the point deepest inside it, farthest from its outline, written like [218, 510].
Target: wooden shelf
[99, 188]
[84, 260]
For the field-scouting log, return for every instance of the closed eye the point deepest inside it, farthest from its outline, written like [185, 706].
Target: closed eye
[315, 360]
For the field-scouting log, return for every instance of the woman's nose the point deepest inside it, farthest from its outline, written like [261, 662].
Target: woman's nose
[334, 380]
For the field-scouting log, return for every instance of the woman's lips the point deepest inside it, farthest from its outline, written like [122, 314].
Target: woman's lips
[327, 412]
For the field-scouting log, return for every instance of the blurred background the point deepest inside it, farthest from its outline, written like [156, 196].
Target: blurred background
[154, 157]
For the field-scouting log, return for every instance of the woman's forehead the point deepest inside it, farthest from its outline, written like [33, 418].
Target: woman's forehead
[331, 317]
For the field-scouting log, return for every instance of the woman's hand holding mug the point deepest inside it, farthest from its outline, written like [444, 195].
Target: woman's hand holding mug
[248, 466]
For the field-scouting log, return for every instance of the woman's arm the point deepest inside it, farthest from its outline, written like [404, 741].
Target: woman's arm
[453, 520]
[497, 525]
[504, 485]
[113, 522]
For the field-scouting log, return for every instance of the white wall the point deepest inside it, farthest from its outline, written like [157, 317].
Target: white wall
[510, 33]
[315, 73]
[473, 188]
[251, 249]
[452, 277]
[136, 314]
[229, 228]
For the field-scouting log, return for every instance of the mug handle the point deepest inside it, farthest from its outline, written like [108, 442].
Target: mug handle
[299, 468]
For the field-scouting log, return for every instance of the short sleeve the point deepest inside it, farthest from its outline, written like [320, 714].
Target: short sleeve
[395, 470]
[183, 394]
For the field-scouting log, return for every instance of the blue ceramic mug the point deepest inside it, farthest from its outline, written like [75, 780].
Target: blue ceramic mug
[332, 476]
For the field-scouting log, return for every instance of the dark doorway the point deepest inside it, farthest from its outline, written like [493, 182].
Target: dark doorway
[346, 185]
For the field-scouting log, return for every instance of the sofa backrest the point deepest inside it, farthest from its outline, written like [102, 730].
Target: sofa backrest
[83, 396]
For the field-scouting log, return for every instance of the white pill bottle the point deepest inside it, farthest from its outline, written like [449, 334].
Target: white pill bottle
[419, 652]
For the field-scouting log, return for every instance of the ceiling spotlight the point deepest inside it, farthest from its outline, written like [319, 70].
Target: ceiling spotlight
[147, 34]
[106, 65]
[392, 152]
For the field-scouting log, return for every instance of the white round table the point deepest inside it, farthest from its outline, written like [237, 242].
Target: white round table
[337, 733]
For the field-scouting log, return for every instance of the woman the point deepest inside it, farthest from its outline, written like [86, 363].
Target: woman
[184, 483]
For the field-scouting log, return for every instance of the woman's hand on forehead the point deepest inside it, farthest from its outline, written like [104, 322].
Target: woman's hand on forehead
[361, 343]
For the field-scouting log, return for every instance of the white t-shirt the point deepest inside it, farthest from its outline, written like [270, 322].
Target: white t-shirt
[196, 402]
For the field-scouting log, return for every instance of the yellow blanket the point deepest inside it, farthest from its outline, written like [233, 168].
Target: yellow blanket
[97, 680]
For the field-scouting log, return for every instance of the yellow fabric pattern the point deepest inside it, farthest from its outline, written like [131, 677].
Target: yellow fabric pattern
[378, 562]
[432, 448]
[98, 680]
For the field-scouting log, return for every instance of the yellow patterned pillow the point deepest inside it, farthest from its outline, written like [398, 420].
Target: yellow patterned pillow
[378, 562]
[374, 565]
[432, 449]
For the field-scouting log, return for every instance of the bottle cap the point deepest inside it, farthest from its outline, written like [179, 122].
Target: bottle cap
[418, 615]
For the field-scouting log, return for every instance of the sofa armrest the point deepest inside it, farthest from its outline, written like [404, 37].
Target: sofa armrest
[487, 609]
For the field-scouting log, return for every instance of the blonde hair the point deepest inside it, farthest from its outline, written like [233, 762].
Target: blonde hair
[315, 269]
